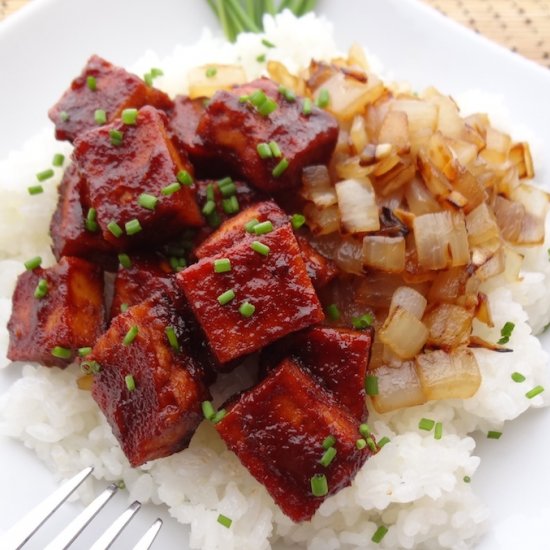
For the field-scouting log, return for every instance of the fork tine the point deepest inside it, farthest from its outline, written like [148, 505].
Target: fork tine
[112, 532]
[147, 540]
[22, 531]
[69, 534]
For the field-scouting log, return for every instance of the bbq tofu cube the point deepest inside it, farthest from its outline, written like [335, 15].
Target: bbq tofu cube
[234, 128]
[321, 270]
[234, 231]
[56, 311]
[277, 430]
[150, 385]
[71, 235]
[101, 86]
[128, 175]
[337, 358]
[265, 295]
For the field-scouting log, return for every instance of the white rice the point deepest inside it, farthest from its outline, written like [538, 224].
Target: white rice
[414, 485]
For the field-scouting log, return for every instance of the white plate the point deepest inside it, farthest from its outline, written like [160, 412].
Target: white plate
[45, 45]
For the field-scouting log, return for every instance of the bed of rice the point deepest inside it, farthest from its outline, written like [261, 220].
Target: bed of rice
[414, 485]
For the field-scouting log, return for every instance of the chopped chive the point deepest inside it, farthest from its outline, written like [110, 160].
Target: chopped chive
[61, 352]
[90, 367]
[211, 72]
[148, 79]
[223, 265]
[426, 424]
[177, 264]
[264, 150]
[116, 137]
[214, 219]
[329, 441]
[261, 58]
[257, 98]
[130, 382]
[371, 384]
[147, 201]
[467, 479]
[171, 188]
[323, 98]
[244, 98]
[267, 43]
[371, 444]
[438, 432]
[319, 485]
[275, 149]
[208, 410]
[130, 335]
[132, 227]
[44, 175]
[58, 160]
[129, 116]
[506, 332]
[328, 457]
[537, 390]
[91, 82]
[155, 71]
[379, 534]
[333, 313]
[280, 168]
[125, 261]
[218, 416]
[267, 107]
[33, 263]
[246, 309]
[100, 116]
[289, 95]
[225, 521]
[224, 181]
[208, 208]
[115, 229]
[64, 116]
[90, 222]
[249, 226]
[228, 190]
[260, 248]
[493, 435]
[35, 189]
[307, 106]
[41, 289]
[383, 442]
[124, 308]
[361, 444]
[263, 228]
[364, 430]
[172, 338]
[297, 220]
[231, 205]
[226, 297]
[518, 377]
[363, 322]
[184, 177]
[82, 352]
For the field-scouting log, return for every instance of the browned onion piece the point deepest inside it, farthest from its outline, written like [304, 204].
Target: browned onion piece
[421, 117]
[520, 155]
[349, 255]
[448, 375]
[317, 187]
[357, 205]
[494, 266]
[449, 285]
[449, 326]
[322, 221]
[483, 310]
[85, 382]
[403, 333]
[384, 253]
[516, 224]
[419, 199]
[481, 226]
[395, 130]
[410, 299]
[226, 76]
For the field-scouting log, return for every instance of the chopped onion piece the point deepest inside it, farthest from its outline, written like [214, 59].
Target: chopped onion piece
[322, 221]
[85, 382]
[497, 141]
[419, 199]
[481, 226]
[358, 134]
[520, 156]
[317, 187]
[422, 119]
[384, 253]
[395, 130]
[357, 205]
[403, 333]
[512, 265]
[410, 300]
[448, 375]
[483, 311]
[494, 266]
[516, 224]
[349, 256]
[226, 76]
[450, 326]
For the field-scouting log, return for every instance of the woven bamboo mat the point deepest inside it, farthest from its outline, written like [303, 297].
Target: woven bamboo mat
[521, 25]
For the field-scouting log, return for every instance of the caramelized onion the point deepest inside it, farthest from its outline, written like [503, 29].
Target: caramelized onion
[322, 221]
[403, 333]
[317, 187]
[384, 253]
[409, 299]
[224, 78]
[357, 205]
[449, 326]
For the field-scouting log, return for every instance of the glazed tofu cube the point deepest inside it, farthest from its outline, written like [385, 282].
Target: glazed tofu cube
[68, 229]
[234, 128]
[233, 231]
[119, 172]
[265, 295]
[149, 391]
[69, 314]
[337, 358]
[277, 430]
[321, 270]
[104, 86]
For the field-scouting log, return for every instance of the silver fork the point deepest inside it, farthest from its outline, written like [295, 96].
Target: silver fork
[25, 528]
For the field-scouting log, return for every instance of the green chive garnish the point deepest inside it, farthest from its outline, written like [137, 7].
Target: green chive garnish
[44, 175]
[249, 226]
[132, 227]
[371, 444]
[115, 229]
[467, 479]
[90, 367]
[518, 377]
[506, 332]
[297, 220]
[379, 534]
[130, 382]
[33, 263]
[124, 308]
[226, 297]
[218, 416]
[260, 248]
[91, 83]
[246, 309]
[363, 322]
[361, 444]
[319, 485]
[41, 289]
[148, 79]
[225, 521]
[61, 353]
[426, 424]
[177, 264]
[100, 116]
[172, 338]
[116, 137]
[130, 335]
[263, 228]
[231, 205]
[171, 188]
[383, 442]
[261, 58]
[280, 168]
[333, 313]
[275, 149]
[147, 201]
[328, 457]
[155, 71]
[228, 190]
[222, 265]
[208, 410]
[257, 98]
[537, 390]
[82, 352]
[438, 432]
[184, 177]
[64, 116]
[364, 430]
[323, 98]
[58, 159]
[267, 43]
[214, 220]
[208, 208]
[90, 223]
[125, 261]
[211, 72]
[329, 441]
[267, 107]
[129, 116]
[307, 106]
[493, 435]
[35, 189]
[264, 150]
[371, 384]
[289, 95]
